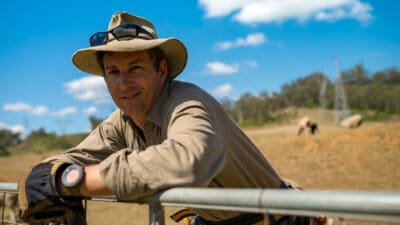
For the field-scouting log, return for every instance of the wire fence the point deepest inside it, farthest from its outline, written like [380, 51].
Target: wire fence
[358, 205]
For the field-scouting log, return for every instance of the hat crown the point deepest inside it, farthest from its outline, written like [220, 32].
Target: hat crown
[122, 18]
[174, 50]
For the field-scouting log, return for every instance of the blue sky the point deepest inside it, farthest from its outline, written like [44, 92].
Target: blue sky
[235, 46]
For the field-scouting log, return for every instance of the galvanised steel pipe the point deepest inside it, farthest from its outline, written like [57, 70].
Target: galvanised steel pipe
[364, 205]
[8, 187]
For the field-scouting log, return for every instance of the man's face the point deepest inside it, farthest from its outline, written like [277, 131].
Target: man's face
[133, 82]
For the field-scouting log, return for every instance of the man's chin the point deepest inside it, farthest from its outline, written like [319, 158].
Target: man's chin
[132, 111]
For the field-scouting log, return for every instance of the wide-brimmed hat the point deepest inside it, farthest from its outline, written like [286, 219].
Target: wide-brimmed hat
[174, 50]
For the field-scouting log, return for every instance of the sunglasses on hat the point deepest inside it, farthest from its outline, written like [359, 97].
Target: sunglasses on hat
[122, 32]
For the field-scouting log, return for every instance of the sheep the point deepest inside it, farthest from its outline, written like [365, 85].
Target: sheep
[305, 123]
[313, 127]
[10, 203]
[353, 121]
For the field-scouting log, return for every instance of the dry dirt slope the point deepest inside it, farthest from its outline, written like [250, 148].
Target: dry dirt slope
[336, 158]
[367, 158]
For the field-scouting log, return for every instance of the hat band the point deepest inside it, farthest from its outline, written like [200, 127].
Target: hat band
[120, 33]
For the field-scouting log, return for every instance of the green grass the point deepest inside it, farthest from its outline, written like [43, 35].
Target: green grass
[48, 142]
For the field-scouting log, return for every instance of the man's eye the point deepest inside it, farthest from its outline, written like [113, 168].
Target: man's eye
[113, 72]
[132, 68]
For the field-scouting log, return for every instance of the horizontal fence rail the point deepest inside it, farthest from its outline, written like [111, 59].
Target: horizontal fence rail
[8, 187]
[362, 205]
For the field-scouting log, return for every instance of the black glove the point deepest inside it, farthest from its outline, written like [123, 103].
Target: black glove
[39, 201]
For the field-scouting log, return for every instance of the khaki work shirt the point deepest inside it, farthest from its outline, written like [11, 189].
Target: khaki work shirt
[188, 140]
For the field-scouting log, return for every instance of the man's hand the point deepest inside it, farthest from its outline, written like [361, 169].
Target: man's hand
[39, 201]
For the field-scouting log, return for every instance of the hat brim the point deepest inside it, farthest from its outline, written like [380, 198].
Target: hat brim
[174, 50]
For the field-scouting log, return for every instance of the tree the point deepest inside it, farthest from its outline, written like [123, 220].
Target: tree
[390, 76]
[356, 75]
[251, 110]
[304, 91]
[228, 106]
[393, 76]
[38, 133]
[7, 139]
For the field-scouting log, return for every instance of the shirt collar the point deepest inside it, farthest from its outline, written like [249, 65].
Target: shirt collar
[156, 114]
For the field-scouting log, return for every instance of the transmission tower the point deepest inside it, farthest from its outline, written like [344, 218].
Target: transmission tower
[341, 107]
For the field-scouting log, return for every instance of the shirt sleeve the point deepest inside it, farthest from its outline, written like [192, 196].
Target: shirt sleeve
[103, 141]
[191, 155]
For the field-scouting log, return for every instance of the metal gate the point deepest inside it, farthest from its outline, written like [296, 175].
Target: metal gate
[361, 205]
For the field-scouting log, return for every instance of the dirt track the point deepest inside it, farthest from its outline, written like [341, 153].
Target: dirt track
[367, 158]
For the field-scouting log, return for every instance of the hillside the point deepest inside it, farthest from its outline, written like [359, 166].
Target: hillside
[336, 158]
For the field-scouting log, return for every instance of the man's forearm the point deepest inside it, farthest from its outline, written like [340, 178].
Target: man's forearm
[92, 184]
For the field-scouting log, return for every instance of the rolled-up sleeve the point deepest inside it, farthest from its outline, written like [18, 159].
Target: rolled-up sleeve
[191, 155]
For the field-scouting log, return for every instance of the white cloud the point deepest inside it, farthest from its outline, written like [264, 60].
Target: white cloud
[220, 68]
[221, 7]
[63, 112]
[88, 89]
[90, 111]
[361, 11]
[252, 64]
[251, 40]
[223, 90]
[22, 106]
[39, 110]
[269, 11]
[330, 15]
[224, 45]
[17, 107]
[88, 95]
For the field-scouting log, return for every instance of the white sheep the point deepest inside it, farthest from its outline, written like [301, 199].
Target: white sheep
[353, 121]
[306, 123]
[303, 124]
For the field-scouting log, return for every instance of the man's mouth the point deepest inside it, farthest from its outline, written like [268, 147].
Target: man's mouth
[129, 96]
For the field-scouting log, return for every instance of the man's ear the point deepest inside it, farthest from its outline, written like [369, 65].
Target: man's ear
[163, 68]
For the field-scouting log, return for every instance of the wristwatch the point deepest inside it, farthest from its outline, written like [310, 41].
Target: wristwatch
[72, 177]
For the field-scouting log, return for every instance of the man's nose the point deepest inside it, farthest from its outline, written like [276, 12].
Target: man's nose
[126, 80]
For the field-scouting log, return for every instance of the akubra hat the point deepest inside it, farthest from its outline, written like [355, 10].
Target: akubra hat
[129, 33]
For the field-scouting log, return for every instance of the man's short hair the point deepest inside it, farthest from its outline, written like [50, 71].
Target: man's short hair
[156, 55]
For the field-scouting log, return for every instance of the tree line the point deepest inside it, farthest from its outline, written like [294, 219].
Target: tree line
[379, 92]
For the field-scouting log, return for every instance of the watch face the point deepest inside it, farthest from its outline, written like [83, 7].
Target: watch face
[72, 176]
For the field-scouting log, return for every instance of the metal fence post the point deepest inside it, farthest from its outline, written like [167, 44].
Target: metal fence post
[4, 208]
[156, 214]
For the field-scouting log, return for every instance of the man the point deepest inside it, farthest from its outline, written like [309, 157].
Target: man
[165, 133]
